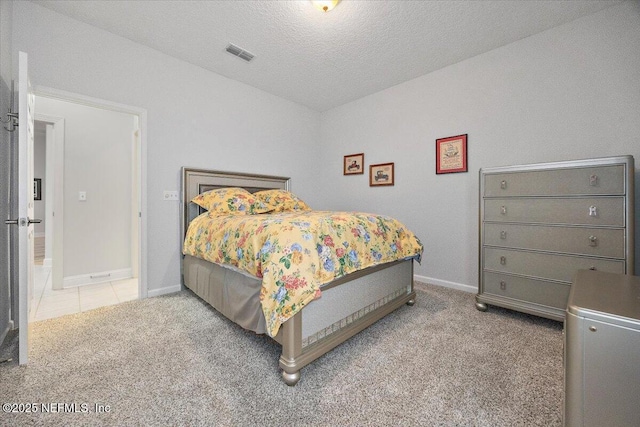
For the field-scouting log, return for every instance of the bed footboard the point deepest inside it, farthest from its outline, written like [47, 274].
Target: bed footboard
[309, 335]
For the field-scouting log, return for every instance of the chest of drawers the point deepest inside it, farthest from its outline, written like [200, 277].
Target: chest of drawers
[540, 223]
[602, 351]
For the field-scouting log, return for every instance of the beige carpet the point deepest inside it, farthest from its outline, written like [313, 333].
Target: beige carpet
[172, 360]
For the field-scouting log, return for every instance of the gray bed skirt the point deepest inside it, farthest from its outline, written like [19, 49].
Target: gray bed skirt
[231, 293]
[343, 301]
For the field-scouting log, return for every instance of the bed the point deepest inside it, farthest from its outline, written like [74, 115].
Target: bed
[347, 305]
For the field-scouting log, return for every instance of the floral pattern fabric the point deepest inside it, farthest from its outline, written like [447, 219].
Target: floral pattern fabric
[230, 201]
[296, 252]
[281, 201]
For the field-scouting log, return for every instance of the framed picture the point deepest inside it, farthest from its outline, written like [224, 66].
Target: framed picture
[354, 164]
[451, 154]
[37, 189]
[381, 174]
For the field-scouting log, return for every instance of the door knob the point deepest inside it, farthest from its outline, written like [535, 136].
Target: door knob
[22, 221]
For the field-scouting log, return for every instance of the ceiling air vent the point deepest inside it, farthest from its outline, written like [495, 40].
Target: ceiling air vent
[239, 52]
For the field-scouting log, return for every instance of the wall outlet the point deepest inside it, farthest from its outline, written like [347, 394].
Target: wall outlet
[170, 195]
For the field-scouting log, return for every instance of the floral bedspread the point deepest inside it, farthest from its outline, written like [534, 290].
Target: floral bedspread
[296, 252]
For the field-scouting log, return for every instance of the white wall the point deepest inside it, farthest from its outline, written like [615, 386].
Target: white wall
[195, 118]
[98, 147]
[569, 93]
[39, 169]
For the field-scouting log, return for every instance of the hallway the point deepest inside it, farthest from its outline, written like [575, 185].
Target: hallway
[48, 303]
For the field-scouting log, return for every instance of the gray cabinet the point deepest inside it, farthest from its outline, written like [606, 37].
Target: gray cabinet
[540, 223]
[602, 351]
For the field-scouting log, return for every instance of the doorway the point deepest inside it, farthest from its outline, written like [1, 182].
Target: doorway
[89, 156]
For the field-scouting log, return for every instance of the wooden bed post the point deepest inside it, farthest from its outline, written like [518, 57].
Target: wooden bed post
[291, 349]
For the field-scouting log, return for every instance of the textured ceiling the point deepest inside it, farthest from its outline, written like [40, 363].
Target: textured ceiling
[323, 60]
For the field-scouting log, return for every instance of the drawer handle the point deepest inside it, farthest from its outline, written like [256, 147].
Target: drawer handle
[503, 210]
[593, 241]
[503, 235]
[503, 285]
[592, 268]
[593, 211]
[593, 328]
[593, 180]
[503, 184]
[503, 260]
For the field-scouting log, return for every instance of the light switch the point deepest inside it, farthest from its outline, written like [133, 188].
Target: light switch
[82, 196]
[170, 195]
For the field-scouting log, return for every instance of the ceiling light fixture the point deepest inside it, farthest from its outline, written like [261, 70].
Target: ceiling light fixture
[326, 5]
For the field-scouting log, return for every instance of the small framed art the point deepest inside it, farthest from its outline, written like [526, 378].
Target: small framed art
[451, 154]
[381, 174]
[354, 164]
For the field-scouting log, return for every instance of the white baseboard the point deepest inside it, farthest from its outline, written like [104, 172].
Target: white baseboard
[446, 284]
[465, 288]
[458, 286]
[93, 278]
[163, 291]
[47, 262]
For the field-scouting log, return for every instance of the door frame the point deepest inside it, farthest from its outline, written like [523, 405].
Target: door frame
[54, 174]
[141, 178]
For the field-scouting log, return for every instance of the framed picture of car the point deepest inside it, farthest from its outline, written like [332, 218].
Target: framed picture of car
[354, 164]
[381, 174]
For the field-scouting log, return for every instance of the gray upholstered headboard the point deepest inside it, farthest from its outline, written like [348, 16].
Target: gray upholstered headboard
[196, 181]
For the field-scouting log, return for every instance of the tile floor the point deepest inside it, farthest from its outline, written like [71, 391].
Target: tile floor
[48, 303]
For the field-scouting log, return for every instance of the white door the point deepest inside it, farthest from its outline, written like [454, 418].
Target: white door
[25, 205]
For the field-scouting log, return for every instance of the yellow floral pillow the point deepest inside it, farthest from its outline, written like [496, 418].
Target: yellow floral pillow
[229, 201]
[281, 201]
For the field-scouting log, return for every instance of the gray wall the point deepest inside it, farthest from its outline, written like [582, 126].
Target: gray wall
[571, 92]
[195, 118]
[6, 10]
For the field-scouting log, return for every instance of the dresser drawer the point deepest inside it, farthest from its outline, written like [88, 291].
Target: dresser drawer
[545, 266]
[605, 242]
[557, 182]
[530, 290]
[607, 211]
